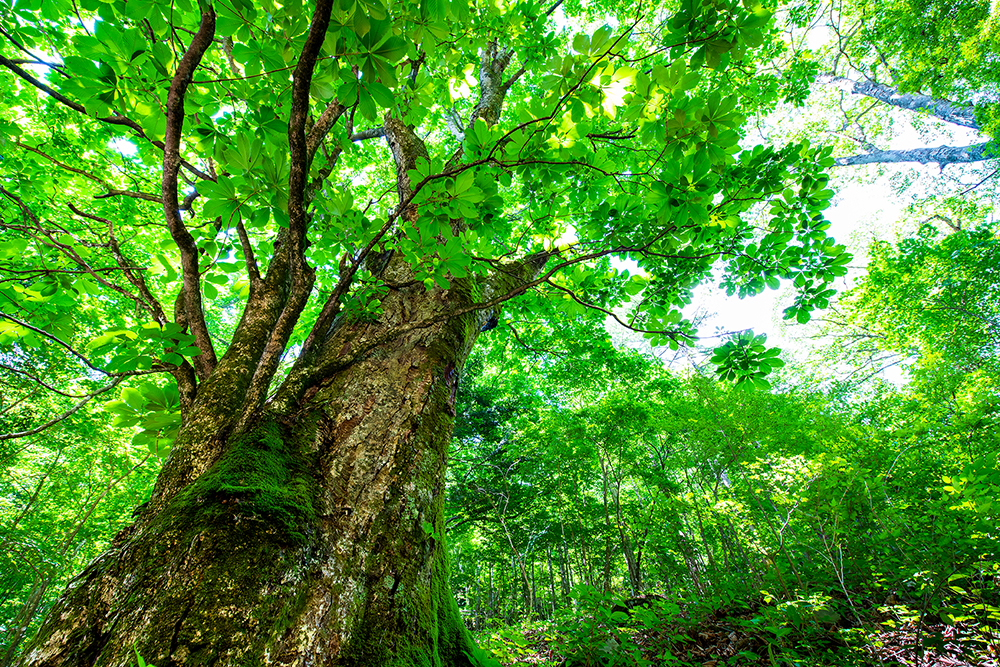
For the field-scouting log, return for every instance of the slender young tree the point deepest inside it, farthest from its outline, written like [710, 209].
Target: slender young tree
[299, 217]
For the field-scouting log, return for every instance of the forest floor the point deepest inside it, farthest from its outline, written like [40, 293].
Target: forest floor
[729, 638]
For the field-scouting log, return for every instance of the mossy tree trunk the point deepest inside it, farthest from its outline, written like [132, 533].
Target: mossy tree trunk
[302, 525]
[316, 537]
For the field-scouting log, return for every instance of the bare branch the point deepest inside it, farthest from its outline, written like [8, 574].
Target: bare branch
[32, 58]
[58, 341]
[145, 196]
[112, 190]
[554, 7]
[950, 112]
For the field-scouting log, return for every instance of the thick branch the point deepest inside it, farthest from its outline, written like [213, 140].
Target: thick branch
[492, 91]
[301, 151]
[406, 147]
[205, 362]
[941, 155]
[370, 133]
[492, 87]
[950, 112]
[322, 127]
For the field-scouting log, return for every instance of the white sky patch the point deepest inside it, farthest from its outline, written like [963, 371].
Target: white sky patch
[861, 213]
[123, 147]
[42, 71]
[869, 205]
[360, 179]
[224, 110]
[818, 37]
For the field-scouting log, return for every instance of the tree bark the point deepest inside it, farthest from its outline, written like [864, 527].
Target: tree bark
[948, 111]
[308, 528]
[941, 155]
[314, 539]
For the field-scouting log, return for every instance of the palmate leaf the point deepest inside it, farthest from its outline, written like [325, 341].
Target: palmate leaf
[744, 360]
[154, 409]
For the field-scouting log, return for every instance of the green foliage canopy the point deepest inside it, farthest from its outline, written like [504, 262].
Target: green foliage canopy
[617, 142]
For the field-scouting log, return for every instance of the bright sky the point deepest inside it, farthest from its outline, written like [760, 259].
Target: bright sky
[862, 213]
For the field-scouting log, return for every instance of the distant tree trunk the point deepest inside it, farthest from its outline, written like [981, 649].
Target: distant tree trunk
[606, 571]
[552, 582]
[632, 562]
[533, 600]
[54, 569]
[491, 598]
[14, 634]
[942, 155]
[948, 111]
[518, 561]
[565, 569]
[751, 570]
[691, 559]
[23, 619]
[586, 565]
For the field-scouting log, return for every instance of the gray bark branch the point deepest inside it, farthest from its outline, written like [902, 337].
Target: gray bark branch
[941, 155]
[950, 112]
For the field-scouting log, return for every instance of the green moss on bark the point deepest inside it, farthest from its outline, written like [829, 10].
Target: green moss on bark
[420, 627]
[263, 476]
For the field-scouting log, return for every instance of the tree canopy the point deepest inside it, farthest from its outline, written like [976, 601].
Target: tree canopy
[132, 179]
[262, 239]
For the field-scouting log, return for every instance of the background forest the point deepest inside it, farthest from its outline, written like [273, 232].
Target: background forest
[611, 501]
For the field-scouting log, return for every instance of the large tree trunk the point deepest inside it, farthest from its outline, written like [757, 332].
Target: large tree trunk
[306, 529]
[316, 538]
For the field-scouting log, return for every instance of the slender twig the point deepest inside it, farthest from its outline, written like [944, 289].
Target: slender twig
[58, 341]
[115, 119]
[55, 420]
[39, 381]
